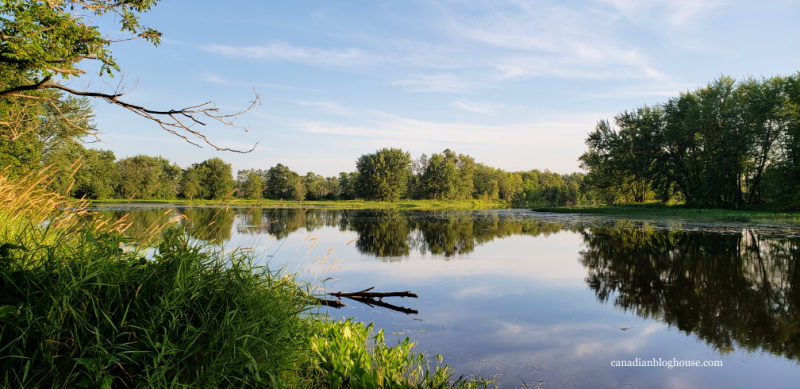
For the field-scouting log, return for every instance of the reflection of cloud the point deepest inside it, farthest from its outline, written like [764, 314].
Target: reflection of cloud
[482, 292]
[563, 349]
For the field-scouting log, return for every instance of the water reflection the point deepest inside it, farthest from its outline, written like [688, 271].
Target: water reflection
[384, 234]
[727, 289]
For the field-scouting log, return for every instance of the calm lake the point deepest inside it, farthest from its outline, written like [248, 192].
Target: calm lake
[545, 300]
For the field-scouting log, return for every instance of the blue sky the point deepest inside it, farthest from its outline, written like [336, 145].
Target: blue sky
[515, 84]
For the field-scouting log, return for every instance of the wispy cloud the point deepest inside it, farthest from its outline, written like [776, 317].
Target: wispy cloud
[329, 106]
[533, 39]
[676, 13]
[214, 78]
[447, 82]
[285, 52]
[485, 107]
[661, 90]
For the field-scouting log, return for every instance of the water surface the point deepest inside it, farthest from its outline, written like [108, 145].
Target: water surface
[546, 300]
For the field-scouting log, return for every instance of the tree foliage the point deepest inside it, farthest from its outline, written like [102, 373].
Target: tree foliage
[383, 175]
[728, 144]
[144, 177]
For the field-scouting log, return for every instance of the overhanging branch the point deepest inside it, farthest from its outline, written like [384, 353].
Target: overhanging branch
[179, 122]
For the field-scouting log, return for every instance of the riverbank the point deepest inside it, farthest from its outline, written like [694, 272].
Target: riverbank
[679, 212]
[334, 204]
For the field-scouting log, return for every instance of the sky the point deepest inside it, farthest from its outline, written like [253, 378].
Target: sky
[515, 84]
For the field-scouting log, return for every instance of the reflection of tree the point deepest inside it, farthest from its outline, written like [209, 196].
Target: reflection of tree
[394, 233]
[446, 235]
[211, 224]
[726, 289]
[142, 221]
[382, 233]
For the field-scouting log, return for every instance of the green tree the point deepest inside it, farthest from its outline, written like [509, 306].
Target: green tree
[191, 185]
[347, 185]
[485, 182]
[218, 178]
[97, 176]
[332, 188]
[448, 176]
[249, 183]
[383, 175]
[146, 177]
[281, 182]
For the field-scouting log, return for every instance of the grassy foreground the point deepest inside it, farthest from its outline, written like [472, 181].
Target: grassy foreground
[680, 212]
[336, 204]
[82, 306]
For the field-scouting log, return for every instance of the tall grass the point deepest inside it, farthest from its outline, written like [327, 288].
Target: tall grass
[82, 306]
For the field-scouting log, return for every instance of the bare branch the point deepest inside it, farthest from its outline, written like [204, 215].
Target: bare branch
[180, 122]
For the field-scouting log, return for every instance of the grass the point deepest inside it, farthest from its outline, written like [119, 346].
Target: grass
[659, 210]
[336, 204]
[82, 305]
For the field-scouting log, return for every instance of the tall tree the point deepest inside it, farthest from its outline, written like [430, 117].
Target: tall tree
[146, 177]
[249, 183]
[347, 185]
[448, 176]
[97, 175]
[281, 183]
[218, 178]
[384, 174]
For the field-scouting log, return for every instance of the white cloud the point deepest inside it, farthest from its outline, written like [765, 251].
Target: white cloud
[286, 52]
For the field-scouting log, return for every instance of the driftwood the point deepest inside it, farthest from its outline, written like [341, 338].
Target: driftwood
[370, 298]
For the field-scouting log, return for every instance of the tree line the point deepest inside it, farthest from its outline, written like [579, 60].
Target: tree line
[730, 144]
[387, 175]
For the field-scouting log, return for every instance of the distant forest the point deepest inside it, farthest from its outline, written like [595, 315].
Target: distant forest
[386, 175]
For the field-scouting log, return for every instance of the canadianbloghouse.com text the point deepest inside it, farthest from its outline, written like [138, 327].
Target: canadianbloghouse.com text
[668, 363]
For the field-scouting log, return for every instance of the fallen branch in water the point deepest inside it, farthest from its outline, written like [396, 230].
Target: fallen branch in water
[366, 294]
[370, 298]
